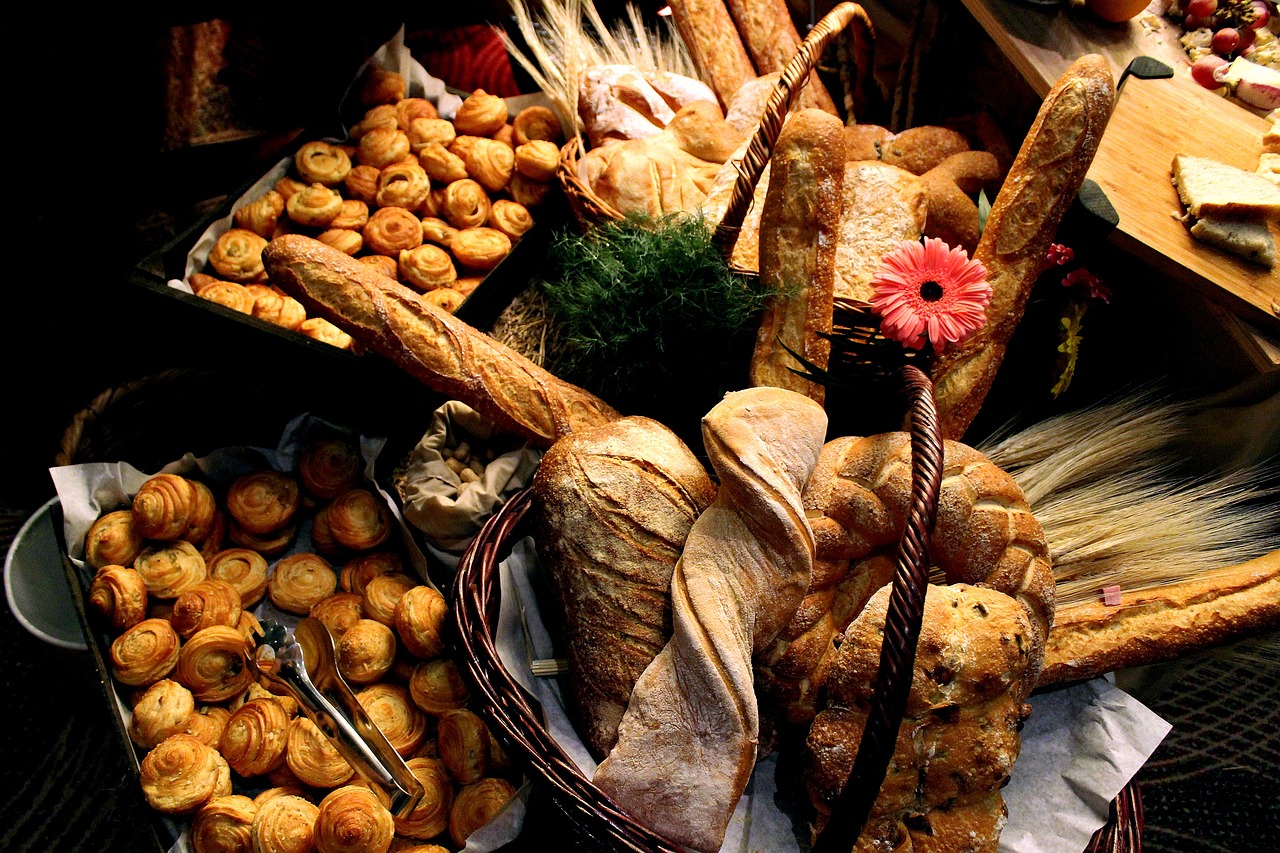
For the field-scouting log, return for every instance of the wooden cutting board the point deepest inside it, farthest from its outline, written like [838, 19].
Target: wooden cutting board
[1152, 121]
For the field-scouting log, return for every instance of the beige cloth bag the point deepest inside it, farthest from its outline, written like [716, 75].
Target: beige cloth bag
[436, 501]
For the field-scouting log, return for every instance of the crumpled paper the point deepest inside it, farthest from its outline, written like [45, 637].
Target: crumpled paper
[1080, 747]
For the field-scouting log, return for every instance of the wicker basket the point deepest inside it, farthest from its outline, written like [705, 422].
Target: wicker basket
[513, 715]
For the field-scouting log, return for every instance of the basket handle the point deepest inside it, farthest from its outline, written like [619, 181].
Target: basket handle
[902, 626]
[775, 112]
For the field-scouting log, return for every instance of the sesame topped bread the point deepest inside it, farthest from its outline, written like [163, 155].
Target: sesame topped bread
[1213, 189]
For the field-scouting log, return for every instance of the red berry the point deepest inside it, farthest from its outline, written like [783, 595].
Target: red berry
[1204, 70]
[1247, 38]
[1261, 16]
[1201, 8]
[1225, 41]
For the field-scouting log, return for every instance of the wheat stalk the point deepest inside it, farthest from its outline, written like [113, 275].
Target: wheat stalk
[1104, 486]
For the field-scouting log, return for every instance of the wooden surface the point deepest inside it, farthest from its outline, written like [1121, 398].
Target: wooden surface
[1041, 41]
[1154, 120]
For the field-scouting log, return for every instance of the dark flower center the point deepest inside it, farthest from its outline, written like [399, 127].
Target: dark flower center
[930, 291]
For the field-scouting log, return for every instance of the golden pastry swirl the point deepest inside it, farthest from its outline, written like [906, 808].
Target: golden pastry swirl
[279, 309]
[436, 230]
[163, 506]
[181, 774]
[262, 215]
[402, 184]
[383, 593]
[243, 568]
[536, 123]
[463, 741]
[390, 230]
[430, 817]
[527, 191]
[319, 162]
[441, 164]
[477, 804]
[538, 160]
[426, 267]
[358, 571]
[203, 512]
[490, 163]
[285, 824]
[237, 255]
[270, 544]
[366, 651]
[382, 115]
[161, 710]
[382, 146]
[409, 110]
[480, 114]
[352, 820]
[436, 686]
[480, 248]
[208, 603]
[419, 619]
[359, 519]
[424, 131]
[511, 218]
[339, 612]
[330, 466]
[384, 264]
[315, 206]
[229, 294]
[170, 568]
[300, 581]
[120, 595]
[393, 712]
[263, 501]
[320, 329]
[223, 825]
[354, 214]
[207, 723]
[342, 239]
[212, 664]
[255, 738]
[313, 758]
[362, 184]
[113, 540]
[466, 204]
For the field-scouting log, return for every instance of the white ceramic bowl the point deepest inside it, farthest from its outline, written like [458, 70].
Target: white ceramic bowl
[36, 585]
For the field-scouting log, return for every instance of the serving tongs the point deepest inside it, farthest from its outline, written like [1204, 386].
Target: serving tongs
[302, 663]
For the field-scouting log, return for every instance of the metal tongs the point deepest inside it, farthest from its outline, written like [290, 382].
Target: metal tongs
[302, 663]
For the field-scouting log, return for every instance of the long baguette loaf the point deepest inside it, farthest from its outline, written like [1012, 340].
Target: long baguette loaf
[1041, 184]
[431, 345]
[687, 743]
[707, 30]
[614, 507]
[1160, 624]
[771, 39]
[798, 231]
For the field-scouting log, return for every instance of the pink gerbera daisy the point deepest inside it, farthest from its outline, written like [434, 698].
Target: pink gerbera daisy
[930, 292]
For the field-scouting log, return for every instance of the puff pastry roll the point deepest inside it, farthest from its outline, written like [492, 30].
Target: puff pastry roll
[320, 329]
[536, 123]
[256, 737]
[145, 653]
[203, 513]
[319, 162]
[270, 545]
[263, 501]
[436, 230]
[285, 824]
[480, 114]
[322, 537]
[343, 239]
[384, 264]
[207, 723]
[170, 568]
[463, 741]
[359, 519]
[339, 612]
[430, 817]
[315, 206]
[382, 86]
[237, 255]
[381, 115]
[358, 571]
[313, 758]
[120, 595]
[441, 165]
[477, 804]
[362, 184]
[243, 568]
[395, 715]
[391, 230]
[445, 298]
[511, 218]
[527, 191]
[383, 593]
[490, 163]
[465, 204]
[409, 110]
[163, 506]
[419, 619]
[300, 581]
[480, 248]
[424, 131]
[181, 774]
[426, 267]
[229, 294]
[382, 146]
[354, 214]
[211, 664]
[538, 160]
[403, 184]
[436, 686]
[161, 710]
[366, 651]
[329, 466]
[262, 215]
[288, 186]
[208, 603]
[352, 819]
[223, 825]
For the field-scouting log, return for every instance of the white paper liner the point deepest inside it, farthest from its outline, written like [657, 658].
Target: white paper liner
[1080, 747]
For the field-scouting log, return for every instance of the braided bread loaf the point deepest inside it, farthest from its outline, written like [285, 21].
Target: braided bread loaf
[857, 502]
[687, 742]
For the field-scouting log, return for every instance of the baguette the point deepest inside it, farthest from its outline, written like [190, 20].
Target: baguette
[687, 743]
[430, 344]
[798, 230]
[772, 40]
[1163, 623]
[1041, 184]
[707, 30]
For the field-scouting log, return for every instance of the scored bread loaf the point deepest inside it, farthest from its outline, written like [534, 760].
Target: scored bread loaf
[1040, 186]
[430, 344]
[708, 31]
[772, 40]
[614, 506]
[687, 742]
[798, 228]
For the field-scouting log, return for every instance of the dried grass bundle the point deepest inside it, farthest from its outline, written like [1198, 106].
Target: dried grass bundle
[1104, 484]
[566, 37]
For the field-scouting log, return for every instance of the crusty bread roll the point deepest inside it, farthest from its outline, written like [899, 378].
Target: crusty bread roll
[708, 31]
[432, 345]
[1037, 191]
[687, 743]
[772, 40]
[798, 229]
[615, 504]
[883, 205]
